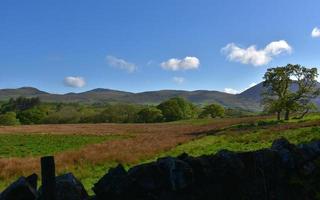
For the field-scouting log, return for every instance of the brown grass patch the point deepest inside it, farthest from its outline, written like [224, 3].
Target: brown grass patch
[147, 141]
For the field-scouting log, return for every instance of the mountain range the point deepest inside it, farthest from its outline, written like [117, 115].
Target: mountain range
[249, 99]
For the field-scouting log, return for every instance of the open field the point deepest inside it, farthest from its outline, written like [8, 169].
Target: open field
[88, 150]
[25, 145]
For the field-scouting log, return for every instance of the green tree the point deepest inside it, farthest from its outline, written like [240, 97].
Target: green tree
[118, 113]
[20, 104]
[177, 109]
[65, 114]
[31, 116]
[149, 115]
[9, 118]
[290, 88]
[212, 110]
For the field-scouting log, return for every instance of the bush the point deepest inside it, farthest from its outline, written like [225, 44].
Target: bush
[268, 122]
[9, 118]
[65, 115]
[118, 113]
[149, 115]
[177, 109]
[238, 112]
[212, 110]
[31, 116]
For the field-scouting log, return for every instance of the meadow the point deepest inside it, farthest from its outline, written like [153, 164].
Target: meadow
[89, 150]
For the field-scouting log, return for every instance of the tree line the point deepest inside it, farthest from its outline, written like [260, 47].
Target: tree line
[32, 111]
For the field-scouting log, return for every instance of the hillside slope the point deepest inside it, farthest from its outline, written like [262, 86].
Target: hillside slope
[249, 99]
[151, 97]
[254, 93]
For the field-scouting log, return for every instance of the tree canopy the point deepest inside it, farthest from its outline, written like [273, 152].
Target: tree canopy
[290, 88]
[150, 115]
[212, 110]
[20, 104]
[9, 118]
[177, 109]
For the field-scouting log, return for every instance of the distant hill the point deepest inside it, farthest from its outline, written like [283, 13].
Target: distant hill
[254, 93]
[24, 91]
[153, 97]
[249, 99]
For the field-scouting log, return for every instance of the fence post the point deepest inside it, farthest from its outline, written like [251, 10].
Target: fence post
[48, 178]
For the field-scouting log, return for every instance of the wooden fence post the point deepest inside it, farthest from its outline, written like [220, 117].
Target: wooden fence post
[48, 177]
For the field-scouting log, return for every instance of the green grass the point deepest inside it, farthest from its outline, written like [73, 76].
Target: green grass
[243, 142]
[209, 145]
[24, 145]
[252, 137]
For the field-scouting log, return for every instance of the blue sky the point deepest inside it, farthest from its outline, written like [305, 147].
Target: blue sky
[72, 46]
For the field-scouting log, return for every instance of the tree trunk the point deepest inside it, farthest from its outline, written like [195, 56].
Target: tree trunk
[278, 115]
[286, 117]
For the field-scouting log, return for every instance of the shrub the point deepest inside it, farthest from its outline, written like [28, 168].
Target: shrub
[9, 118]
[177, 109]
[118, 113]
[149, 115]
[31, 116]
[212, 110]
[65, 115]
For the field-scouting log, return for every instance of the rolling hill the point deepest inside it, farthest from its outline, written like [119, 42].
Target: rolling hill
[254, 93]
[152, 97]
[249, 99]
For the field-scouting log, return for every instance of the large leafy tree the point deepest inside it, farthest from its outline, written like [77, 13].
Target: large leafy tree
[149, 115]
[212, 110]
[31, 116]
[20, 104]
[177, 108]
[118, 113]
[289, 88]
[9, 118]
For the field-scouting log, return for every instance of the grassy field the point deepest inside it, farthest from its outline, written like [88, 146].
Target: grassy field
[249, 141]
[24, 145]
[89, 150]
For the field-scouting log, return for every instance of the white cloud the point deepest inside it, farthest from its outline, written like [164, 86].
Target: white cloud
[231, 91]
[278, 47]
[234, 91]
[186, 63]
[121, 64]
[74, 81]
[254, 56]
[178, 80]
[315, 32]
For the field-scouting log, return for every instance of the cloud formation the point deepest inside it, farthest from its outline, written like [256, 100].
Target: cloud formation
[74, 81]
[315, 32]
[187, 63]
[178, 80]
[121, 64]
[254, 56]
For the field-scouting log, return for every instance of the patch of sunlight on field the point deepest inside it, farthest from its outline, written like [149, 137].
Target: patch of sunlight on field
[243, 142]
[24, 145]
